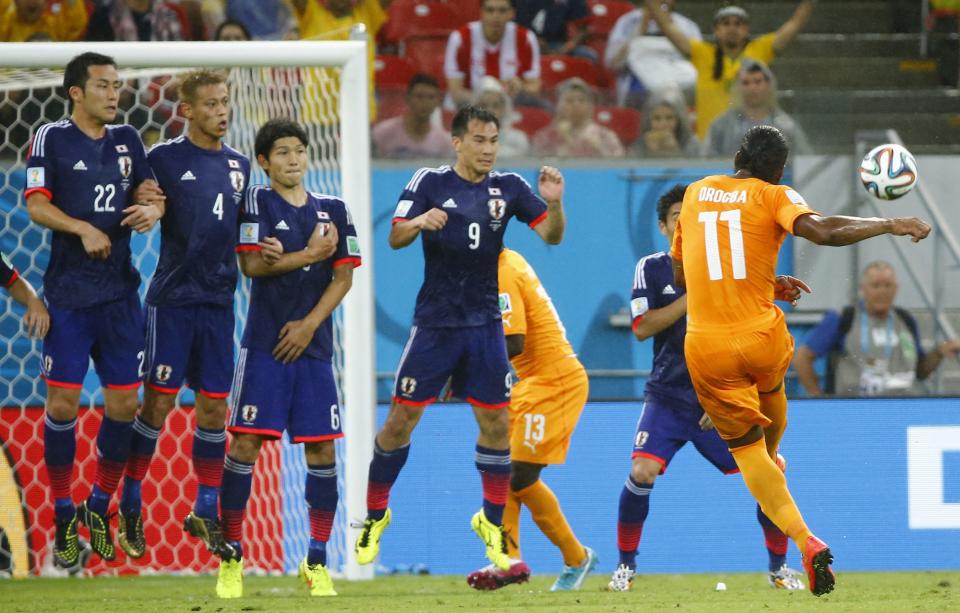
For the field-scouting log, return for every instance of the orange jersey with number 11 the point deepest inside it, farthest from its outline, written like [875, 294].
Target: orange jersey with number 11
[728, 237]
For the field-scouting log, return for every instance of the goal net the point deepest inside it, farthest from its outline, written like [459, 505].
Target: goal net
[307, 81]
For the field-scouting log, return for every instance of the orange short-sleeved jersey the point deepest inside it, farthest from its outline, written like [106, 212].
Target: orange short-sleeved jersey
[728, 238]
[526, 309]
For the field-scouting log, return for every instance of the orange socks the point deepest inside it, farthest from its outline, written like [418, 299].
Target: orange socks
[511, 525]
[769, 486]
[545, 509]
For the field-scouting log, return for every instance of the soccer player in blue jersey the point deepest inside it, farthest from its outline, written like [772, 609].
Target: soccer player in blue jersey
[461, 213]
[672, 415]
[90, 183]
[36, 321]
[284, 377]
[189, 310]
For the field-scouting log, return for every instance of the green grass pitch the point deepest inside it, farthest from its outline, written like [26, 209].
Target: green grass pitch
[874, 592]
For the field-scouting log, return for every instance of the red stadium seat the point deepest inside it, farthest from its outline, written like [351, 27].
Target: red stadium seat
[406, 18]
[603, 16]
[625, 122]
[426, 53]
[469, 10]
[555, 69]
[532, 119]
[392, 72]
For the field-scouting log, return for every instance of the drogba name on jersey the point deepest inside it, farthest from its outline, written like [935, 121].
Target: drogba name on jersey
[460, 260]
[204, 191]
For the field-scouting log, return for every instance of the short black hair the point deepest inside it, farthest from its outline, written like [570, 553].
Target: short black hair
[274, 130]
[422, 78]
[76, 72]
[763, 152]
[512, 3]
[467, 114]
[231, 22]
[673, 196]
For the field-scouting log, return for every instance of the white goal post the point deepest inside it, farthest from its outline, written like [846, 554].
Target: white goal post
[350, 58]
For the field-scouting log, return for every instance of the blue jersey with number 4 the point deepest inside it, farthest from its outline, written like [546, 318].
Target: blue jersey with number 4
[91, 180]
[204, 190]
[278, 299]
[460, 261]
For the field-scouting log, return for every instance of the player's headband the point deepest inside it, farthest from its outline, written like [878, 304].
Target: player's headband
[731, 11]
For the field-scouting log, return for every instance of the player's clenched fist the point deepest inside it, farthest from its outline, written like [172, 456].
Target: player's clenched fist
[323, 242]
[551, 184]
[96, 243]
[432, 220]
[911, 226]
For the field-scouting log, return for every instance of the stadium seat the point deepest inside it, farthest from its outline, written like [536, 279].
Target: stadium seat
[467, 9]
[426, 53]
[406, 18]
[554, 69]
[392, 72]
[532, 119]
[624, 121]
[603, 16]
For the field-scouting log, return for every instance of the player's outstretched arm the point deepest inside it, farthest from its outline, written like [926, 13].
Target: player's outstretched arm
[271, 260]
[37, 320]
[789, 30]
[551, 188]
[674, 34]
[840, 230]
[43, 212]
[657, 320]
[405, 232]
[295, 336]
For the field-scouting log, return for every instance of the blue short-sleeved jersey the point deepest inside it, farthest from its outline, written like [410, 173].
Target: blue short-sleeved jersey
[204, 191]
[653, 288]
[460, 261]
[91, 180]
[279, 299]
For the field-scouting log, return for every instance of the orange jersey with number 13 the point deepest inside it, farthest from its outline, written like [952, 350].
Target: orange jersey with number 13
[728, 238]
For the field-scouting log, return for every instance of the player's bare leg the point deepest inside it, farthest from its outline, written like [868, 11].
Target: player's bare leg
[113, 447]
[767, 483]
[237, 482]
[322, 495]
[209, 445]
[59, 441]
[493, 462]
[146, 429]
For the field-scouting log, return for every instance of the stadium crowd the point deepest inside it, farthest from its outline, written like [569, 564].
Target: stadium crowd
[644, 71]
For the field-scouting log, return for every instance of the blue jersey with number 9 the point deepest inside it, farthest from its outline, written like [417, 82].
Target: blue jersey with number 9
[460, 261]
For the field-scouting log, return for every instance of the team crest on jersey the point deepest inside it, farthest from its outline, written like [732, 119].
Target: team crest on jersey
[505, 304]
[126, 165]
[233, 163]
[47, 364]
[248, 413]
[641, 439]
[498, 207]
[163, 373]
[236, 180]
[494, 191]
[408, 385]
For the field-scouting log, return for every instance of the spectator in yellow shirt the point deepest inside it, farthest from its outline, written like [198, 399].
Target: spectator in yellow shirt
[333, 20]
[21, 19]
[718, 62]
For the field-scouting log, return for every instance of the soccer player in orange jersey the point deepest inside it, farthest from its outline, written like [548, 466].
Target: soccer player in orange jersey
[544, 410]
[737, 345]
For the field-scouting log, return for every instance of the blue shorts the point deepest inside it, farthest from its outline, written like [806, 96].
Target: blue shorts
[270, 397]
[191, 342]
[111, 334]
[663, 429]
[473, 359]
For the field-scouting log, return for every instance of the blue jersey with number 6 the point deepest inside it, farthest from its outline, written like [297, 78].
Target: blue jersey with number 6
[460, 261]
[204, 191]
[91, 180]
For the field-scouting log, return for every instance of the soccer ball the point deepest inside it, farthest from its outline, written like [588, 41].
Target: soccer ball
[888, 171]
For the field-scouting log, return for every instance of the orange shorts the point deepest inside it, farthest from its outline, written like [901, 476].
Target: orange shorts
[544, 411]
[729, 370]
